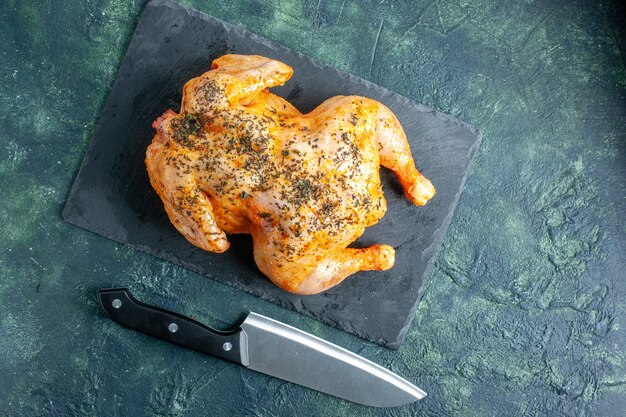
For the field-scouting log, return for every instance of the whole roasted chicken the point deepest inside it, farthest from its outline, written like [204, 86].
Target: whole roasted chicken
[239, 159]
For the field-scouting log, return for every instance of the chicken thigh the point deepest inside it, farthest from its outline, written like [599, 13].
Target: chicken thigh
[239, 159]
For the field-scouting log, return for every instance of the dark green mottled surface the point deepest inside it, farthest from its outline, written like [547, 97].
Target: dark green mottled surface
[525, 311]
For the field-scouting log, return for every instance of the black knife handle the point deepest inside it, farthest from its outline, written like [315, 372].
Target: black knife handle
[123, 308]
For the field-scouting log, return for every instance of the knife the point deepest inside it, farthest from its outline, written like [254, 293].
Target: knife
[271, 347]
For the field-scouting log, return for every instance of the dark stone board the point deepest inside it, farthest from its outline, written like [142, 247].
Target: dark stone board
[112, 196]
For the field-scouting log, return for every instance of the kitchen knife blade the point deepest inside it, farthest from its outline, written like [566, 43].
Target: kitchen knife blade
[270, 347]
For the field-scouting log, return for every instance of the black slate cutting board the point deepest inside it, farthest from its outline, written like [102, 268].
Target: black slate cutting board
[112, 195]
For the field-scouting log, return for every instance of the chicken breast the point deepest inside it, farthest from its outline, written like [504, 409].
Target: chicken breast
[239, 159]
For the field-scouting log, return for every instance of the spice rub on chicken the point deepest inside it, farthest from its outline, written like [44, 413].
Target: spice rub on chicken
[239, 159]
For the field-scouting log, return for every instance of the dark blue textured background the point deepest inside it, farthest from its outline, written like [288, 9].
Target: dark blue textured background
[524, 314]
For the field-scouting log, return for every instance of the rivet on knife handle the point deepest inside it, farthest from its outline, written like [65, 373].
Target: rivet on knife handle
[123, 308]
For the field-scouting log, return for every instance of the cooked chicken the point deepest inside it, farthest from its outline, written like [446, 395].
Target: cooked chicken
[239, 159]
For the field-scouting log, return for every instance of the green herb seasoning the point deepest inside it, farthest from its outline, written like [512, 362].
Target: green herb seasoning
[185, 126]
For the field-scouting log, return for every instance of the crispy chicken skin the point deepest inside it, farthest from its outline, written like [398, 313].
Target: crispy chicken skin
[239, 159]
